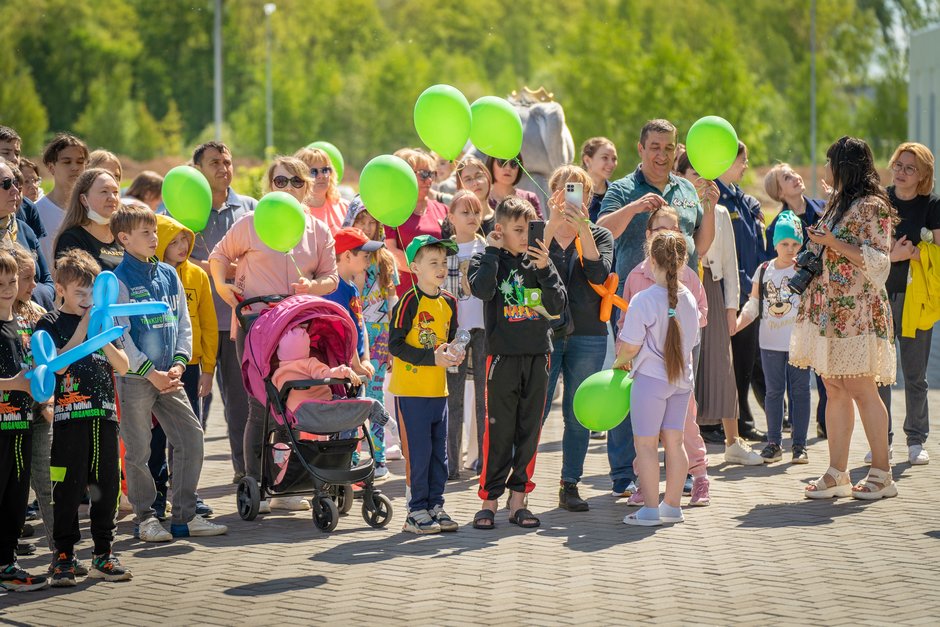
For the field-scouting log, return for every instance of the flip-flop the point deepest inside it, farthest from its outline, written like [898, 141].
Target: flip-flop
[525, 519]
[484, 515]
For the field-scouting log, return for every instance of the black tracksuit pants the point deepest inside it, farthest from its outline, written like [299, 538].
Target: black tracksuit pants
[84, 453]
[16, 453]
[515, 401]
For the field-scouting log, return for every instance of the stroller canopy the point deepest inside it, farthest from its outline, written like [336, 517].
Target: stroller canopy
[332, 337]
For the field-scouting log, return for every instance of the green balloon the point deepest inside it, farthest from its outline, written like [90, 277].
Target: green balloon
[187, 197]
[389, 189]
[280, 221]
[712, 146]
[442, 119]
[336, 157]
[602, 400]
[495, 128]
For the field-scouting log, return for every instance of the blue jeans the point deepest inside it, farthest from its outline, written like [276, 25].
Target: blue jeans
[782, 378]
[577, 357]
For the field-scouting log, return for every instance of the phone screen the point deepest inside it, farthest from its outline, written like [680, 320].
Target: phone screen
[536, 232]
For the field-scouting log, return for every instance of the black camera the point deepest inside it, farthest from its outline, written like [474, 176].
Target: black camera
[809, 265]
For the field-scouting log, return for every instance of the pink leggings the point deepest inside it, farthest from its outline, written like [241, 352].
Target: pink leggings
[691, 436]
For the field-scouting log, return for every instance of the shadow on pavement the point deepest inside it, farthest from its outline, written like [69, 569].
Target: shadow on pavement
[276, 586]
[806, 513]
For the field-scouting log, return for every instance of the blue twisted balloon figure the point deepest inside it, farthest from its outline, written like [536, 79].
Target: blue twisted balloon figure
[100, 326]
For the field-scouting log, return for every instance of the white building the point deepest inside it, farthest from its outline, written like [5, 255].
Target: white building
[924, 91]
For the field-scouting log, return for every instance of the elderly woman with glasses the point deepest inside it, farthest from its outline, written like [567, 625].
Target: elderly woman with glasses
[323, 200]
[505, 174]
[259, 270]
[911, 194]
[426, 219]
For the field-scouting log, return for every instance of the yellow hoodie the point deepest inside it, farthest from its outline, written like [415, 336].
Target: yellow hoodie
[922, 296]
[198, 296]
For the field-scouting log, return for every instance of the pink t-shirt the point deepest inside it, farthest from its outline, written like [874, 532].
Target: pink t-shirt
[427, 224]
[332, 213]
[641, 277]
[646, 323]
[261, 271]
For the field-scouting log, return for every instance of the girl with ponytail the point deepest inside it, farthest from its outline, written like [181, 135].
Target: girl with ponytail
[659, 331]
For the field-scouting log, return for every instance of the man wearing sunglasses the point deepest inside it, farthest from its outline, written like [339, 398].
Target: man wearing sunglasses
[214, 160]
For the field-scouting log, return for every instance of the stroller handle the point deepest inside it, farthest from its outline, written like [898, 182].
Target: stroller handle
[246, 317]
[304, 384]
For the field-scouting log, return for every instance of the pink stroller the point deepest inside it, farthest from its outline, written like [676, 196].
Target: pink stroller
[291, 462]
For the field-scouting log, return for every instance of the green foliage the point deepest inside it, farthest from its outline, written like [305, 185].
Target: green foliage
[137, 77]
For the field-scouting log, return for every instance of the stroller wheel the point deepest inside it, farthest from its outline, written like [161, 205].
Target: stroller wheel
[378, 512]
[325, 514]
[344, 498]
[248, 498]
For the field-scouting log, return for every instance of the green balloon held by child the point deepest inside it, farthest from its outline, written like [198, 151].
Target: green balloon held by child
[389, 188]
[602, 400]
[187, 197]
[712, 146]
[442, 119]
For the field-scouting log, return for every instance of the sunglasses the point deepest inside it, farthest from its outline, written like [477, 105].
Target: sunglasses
[325, 170]
[7, 183]
[281, 182]
[425, 174]
[507, 163]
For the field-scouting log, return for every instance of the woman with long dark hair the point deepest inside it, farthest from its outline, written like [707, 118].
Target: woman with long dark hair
[844, 328]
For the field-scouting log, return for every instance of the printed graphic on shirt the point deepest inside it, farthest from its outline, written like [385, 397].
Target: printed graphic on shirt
[519, 300]
[157, 321]
[779, 298]
[15, 414]
[12, 417]
[426, 335]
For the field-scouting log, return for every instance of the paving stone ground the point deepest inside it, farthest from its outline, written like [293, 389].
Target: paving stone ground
[759, 555]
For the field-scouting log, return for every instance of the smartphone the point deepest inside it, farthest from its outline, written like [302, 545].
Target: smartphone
[536, 232]
[574, 194]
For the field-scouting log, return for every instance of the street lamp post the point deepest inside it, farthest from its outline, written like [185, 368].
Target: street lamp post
[217, 69]
[269, 8]
[812, 92]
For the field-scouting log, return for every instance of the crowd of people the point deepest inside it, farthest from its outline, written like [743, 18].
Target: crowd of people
[721, 303]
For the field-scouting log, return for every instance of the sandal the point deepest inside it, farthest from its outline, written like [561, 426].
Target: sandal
[524, 518]
[832, 484]
[484, 519]
[877, 485]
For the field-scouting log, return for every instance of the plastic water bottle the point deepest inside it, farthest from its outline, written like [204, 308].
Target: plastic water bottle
[458, 348]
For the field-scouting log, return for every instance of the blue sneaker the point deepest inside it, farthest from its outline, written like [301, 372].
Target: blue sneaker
[202, 509]
[687, 488]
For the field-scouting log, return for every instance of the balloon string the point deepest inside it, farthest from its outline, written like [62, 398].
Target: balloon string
[534, 182]
[299, 271]
[414, 284]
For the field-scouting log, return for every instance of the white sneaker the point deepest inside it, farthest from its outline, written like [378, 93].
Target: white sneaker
[264, 507]
[393, 452]
[200, 527]
[290, 503]
[741, 453]
[890, 456]
[152, 531]
[917, 456]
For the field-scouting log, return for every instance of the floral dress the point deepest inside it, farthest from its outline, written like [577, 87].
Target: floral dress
[844, 327]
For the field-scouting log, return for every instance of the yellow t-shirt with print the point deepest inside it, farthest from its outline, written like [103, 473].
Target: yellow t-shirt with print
[419, 324]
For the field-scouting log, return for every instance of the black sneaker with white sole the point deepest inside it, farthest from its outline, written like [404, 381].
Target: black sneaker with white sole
[799, 455]
[772, 453]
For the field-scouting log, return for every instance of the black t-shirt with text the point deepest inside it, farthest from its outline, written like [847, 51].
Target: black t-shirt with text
[109, 256]
[15, 406]
[86, 389]
[919, 212]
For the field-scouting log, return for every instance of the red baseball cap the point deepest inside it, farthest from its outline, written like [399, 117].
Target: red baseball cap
[351, 238]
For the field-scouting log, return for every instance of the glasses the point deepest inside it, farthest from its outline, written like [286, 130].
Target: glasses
[7, 183]
[508, 163]
[36, 181]
[325, 171]
[425, 174]
[281, 182]
[472, 179]
[897, 166]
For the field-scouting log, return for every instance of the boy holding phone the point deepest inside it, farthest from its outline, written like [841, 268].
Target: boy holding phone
[513, 279]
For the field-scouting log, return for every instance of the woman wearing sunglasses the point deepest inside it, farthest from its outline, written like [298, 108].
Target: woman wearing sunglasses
[14, 230]
[506, 173]
[323, 200]
[426, 219]
[259, 271]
